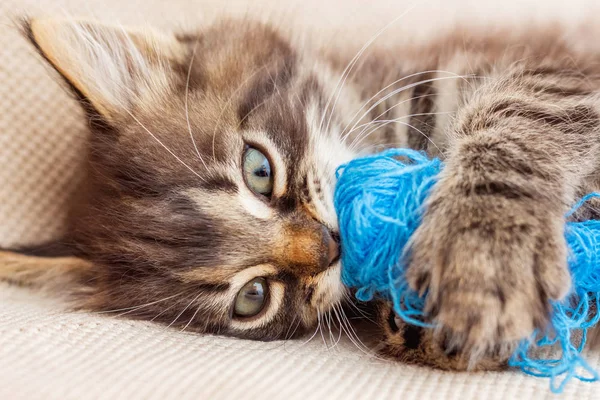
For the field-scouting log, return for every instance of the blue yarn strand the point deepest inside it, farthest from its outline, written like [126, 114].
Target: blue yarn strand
[379, 200]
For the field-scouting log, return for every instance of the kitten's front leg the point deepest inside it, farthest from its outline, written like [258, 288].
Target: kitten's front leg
[491, 249]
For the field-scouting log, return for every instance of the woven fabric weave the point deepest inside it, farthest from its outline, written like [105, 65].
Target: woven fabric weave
[47, 353]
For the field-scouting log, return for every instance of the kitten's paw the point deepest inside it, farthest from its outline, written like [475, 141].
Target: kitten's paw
[490, 265]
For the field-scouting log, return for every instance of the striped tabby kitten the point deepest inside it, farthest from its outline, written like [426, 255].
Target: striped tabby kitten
[212, 167]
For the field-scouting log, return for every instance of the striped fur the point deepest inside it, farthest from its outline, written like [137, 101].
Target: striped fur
[172, 232]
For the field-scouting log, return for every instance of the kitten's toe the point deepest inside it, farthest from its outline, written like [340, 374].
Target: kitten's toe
[423, 346]
[489, 283]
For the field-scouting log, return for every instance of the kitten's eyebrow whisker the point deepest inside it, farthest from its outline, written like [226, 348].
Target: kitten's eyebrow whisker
[275, 85]
[389, 86]
[163, 145]
[187, 89]
[384, 122]
[376, 119]
[240, 86]
[250, 112]
[357, 143]
[337, 92]
[403, 88]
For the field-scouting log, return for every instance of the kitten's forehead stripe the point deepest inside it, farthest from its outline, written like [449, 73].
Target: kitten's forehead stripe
[269, 81]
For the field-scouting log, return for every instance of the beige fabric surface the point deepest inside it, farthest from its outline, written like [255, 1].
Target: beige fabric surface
[46, 353]
[49, 353]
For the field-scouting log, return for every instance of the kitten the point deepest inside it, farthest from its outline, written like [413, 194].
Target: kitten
[212, 166]
[208, 202]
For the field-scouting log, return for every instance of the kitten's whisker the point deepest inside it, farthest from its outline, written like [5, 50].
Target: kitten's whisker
[390, 85]
[356, 143]
[328, 320]
[275, 85]
[340, 332]
[250, 112]
[368, 350]
[187, 89]
[319, 317]
[163, 145]
[369, 124]
[348, 300]
[331, 320]
[403, 88]
[349, 325]
[191, 319]
[287, 337]
[135, 308]
[386, 111]
[162, 312]
[311, 338]
[287, 334]
[331, 336]
[352, 335]
[349, 329]
[367, 149]
[349, 334]
[182, 311]
[235, 92]
[342, 81]
[340, 328]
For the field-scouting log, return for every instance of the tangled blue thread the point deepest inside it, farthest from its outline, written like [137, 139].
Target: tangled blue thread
[380, 199]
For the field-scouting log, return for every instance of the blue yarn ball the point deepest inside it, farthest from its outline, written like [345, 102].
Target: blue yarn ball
[379, 201]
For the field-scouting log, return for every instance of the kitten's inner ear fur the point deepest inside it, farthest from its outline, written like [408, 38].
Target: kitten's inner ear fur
[113, 68]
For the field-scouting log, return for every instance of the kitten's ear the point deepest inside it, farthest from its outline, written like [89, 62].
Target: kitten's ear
[110, 67]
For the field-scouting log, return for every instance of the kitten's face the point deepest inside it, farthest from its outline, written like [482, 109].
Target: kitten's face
[211, 180]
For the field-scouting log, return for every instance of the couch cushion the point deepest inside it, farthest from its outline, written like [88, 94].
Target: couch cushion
[49, 353]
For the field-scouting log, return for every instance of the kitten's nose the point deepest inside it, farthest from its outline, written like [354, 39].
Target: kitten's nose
[333, 245]
[307, 247]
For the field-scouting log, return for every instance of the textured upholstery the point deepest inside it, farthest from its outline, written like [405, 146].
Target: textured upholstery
[47, 352]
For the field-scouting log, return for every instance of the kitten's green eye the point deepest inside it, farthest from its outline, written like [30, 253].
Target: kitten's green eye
[257, 172]
[251, 298]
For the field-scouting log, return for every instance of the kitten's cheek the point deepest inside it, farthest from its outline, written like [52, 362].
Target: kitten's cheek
[329, 289]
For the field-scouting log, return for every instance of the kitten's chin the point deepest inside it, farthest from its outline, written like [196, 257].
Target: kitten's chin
[329, 292]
